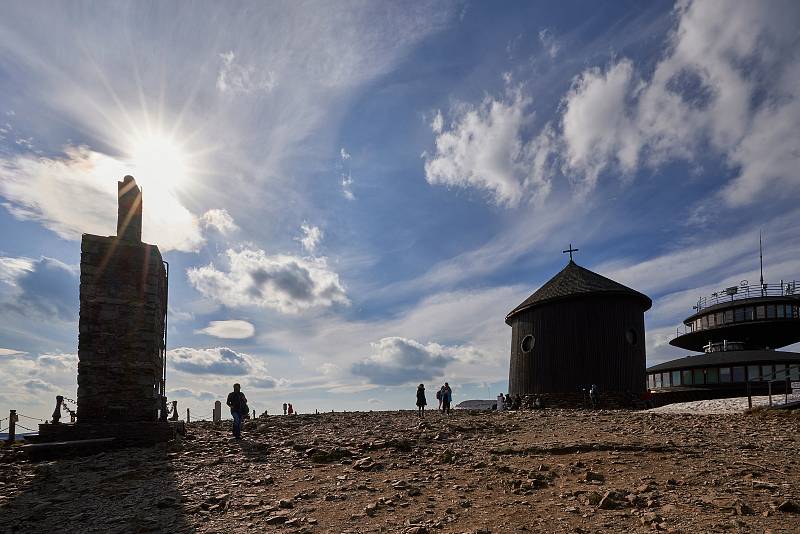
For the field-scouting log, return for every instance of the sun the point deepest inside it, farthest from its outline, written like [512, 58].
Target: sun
[159, 162]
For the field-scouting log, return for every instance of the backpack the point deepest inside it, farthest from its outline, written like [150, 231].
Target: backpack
[439, 395]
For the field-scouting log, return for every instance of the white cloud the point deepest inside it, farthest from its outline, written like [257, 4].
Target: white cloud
[485, 149]
[347, 186]
[77, 193]
[189, 393]
[731, 83]
[344, 154]
[312, 236]
[595, 124]
[548, 41]
[282, 282]
[437, 124]
[234, 329]
[235, 78]
[210, 361]
[37, 385]
[397, 360]
[220, 220]
[45, 288]
[11, 352]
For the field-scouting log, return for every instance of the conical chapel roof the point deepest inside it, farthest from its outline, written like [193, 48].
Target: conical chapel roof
[575, 281]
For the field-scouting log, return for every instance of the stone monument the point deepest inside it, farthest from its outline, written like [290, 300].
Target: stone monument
[121, 341]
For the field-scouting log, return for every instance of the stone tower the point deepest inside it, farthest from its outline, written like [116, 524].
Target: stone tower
[123, 305]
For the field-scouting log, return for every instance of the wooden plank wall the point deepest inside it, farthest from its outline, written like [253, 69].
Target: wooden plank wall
[579, 342]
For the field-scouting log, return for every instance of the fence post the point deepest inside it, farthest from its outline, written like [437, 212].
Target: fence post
[187, 415]
[786, 389]
[749, 397]
[769, 390]
[12, 426]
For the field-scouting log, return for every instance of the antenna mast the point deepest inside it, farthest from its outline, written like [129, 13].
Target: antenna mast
[761, 261]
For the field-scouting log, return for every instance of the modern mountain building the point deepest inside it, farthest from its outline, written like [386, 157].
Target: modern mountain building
[736, 331]
[579, 329]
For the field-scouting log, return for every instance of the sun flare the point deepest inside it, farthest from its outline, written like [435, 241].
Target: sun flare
[159, 162]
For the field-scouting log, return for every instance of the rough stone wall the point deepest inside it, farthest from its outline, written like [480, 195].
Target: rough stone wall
[607, 401]
[122, 307]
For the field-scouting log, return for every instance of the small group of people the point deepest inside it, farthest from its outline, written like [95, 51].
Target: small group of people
[444, 395]
[288, 409]
[508, 402]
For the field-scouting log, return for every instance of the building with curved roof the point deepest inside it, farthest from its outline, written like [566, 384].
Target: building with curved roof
[578, 329]
[736, 330]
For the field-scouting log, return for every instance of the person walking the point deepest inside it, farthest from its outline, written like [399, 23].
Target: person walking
[290, 409]
[284, 408]
[238, 405]
[447, 398]
[421, 402]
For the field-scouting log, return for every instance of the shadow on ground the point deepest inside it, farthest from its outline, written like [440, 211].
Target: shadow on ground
[126, 490]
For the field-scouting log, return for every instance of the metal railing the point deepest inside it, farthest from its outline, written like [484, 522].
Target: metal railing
[745, 291]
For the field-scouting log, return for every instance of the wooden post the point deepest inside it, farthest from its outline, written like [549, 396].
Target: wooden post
[187, 415]
[769, 391]
[749, 397]
[12, 425]
[786, 389]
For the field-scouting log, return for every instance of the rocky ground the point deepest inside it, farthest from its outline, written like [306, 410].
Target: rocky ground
[549, 471]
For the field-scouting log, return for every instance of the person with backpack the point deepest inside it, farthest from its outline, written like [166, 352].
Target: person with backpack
[447, 398]
[238, 405]
[291, 409]
[421, 402]
[439, 398]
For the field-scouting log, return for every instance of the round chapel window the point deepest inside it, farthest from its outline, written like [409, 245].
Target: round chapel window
[527, 343]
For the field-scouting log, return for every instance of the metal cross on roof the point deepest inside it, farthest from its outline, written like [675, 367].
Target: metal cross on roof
[570, 250]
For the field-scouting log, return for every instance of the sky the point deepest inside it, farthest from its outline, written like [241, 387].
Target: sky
[352, 195]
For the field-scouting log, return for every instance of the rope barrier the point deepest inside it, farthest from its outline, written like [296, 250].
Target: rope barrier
[26, 428]
[29, 417]
[3, 430]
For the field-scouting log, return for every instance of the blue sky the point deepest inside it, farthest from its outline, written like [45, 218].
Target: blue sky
[399, 175]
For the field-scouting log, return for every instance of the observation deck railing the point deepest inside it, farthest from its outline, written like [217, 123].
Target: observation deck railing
[745, 291]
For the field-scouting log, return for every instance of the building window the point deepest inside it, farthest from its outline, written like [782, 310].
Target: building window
[760, 312]
[752, 373]
[719, 318]
[686, 378]
[698, 377]
[527, 343]
[739, 315]
[658, 380]
[781, 311]
[631, 336]
[728, 316]
[794, 372]
[795, 311]
[665, 380]
[738, 374]
[780, 371]
[676, 378]
[712, 376]
[771, 311]
[651, 381]
[711, 322]
[766, 372]
[725, 375]
[749, 313]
